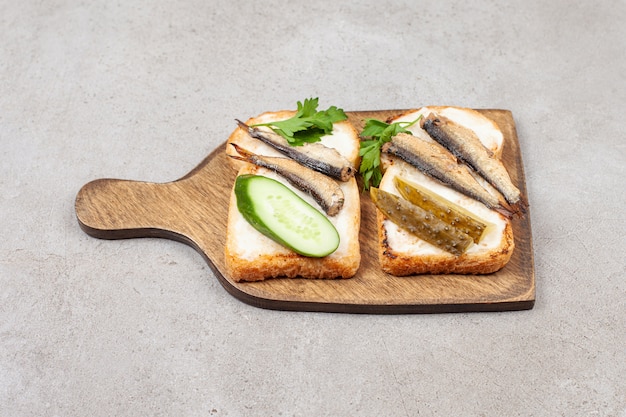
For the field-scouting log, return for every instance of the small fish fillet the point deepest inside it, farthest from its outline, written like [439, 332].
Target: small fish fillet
[435, 161]
[466, 146]
[313, 155]
[324, 190]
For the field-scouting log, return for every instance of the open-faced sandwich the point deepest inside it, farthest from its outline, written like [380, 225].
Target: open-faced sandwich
[295, 205]
[445, 200]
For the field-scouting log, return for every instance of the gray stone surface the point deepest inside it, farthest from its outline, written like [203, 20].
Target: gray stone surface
[146, 89]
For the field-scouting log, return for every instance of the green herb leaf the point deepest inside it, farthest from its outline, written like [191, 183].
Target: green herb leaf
[379, 133]
[308, 124]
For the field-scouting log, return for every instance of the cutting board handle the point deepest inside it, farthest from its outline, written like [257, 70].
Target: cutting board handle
[117, 209]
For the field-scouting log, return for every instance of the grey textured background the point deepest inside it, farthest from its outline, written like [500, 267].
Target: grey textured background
[146, 89]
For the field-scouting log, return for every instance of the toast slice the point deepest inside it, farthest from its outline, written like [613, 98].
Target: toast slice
[251, 256]
[402, 253]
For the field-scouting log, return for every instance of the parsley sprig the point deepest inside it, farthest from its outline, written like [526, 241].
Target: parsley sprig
[308, 124]
[379, 133]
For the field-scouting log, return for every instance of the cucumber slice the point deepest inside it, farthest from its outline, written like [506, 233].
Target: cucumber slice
[280, 214]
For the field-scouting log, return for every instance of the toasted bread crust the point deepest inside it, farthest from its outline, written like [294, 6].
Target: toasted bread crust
[290, 266]
[402, 264]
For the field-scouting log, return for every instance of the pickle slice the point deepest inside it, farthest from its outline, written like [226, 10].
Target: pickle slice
[445, 210]
[421, 223]
[280, 214]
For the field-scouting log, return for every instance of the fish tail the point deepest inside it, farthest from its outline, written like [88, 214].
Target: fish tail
[256, 133]
[521, 206]
[252, 131]
[517, 209]
[243, 125]
[507, 212]
[243, 154]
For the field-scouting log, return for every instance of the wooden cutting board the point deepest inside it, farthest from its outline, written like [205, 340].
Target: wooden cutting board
[193, 210]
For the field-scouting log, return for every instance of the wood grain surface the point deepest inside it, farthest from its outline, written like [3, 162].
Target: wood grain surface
[193, 210]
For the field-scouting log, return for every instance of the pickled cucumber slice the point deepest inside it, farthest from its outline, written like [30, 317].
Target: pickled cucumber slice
[421, 223]
[445, 210]
[280, 214]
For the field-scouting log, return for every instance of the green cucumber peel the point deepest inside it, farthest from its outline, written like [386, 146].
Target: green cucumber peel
[280, 214]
